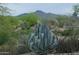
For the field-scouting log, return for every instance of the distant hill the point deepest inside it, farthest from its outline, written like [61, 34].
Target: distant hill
[42, 14]
[62, 19]
[47, 16]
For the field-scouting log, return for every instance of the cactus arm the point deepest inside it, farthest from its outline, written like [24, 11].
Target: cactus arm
[41, 39]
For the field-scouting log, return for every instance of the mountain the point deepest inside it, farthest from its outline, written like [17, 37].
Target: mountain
[42, 14]
[45, 15]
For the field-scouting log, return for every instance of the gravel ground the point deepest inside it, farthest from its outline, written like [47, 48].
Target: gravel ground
[32, 53]
[75, 53]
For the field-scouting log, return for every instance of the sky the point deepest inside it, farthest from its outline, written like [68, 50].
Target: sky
[56, 8]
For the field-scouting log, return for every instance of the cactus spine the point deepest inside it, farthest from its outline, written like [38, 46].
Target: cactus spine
[41, 39]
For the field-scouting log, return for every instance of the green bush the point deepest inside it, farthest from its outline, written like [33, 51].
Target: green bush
[67, 32]
[30, 19]
[3, 38]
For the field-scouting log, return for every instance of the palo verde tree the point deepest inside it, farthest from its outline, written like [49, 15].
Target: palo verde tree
[76, 10]
[4, 10]
[7, 23]
[3, 24]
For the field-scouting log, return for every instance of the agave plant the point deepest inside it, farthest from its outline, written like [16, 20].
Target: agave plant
[42, 39]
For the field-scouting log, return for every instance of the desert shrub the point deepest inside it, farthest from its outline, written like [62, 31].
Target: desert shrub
[68, 46]
[62, 20]
[67, 32]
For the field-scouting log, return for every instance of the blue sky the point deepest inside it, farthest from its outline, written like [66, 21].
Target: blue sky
[56, 8]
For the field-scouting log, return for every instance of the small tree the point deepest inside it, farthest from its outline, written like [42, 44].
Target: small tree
[76, 10]
[4, 10]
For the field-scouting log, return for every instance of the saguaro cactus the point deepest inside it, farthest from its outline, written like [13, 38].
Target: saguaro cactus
[42, 39]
